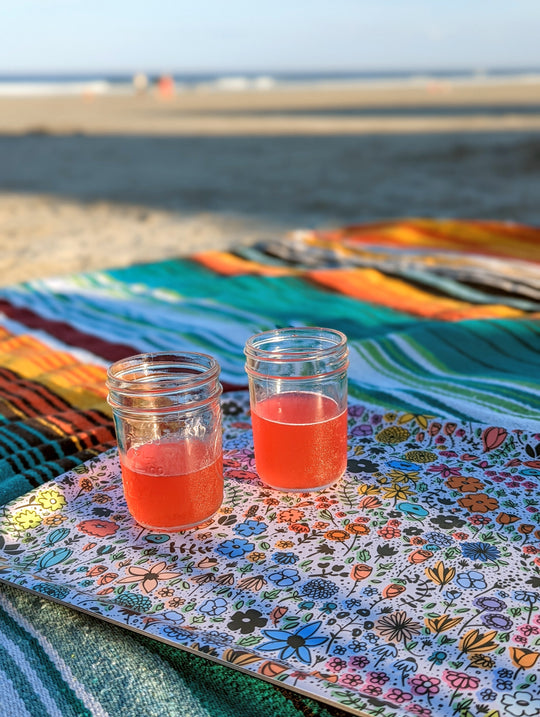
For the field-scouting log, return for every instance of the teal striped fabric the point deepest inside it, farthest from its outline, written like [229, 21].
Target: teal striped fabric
[55, 662]
[472, 369]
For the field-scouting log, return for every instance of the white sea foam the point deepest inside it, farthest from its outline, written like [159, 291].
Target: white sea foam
[49, 89]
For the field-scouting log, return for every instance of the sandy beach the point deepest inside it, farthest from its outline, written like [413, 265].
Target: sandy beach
[94, 181]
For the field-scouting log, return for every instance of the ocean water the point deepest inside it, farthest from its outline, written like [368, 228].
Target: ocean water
[110, 83]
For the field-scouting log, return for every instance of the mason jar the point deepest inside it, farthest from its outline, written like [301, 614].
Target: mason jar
[167, 415]
[298, 397]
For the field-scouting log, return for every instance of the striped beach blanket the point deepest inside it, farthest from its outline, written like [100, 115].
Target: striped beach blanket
[442, 321]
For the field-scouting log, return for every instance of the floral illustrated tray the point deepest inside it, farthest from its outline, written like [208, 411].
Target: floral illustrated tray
[411, 587]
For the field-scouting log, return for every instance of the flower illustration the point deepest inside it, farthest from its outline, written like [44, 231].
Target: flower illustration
[417, 511]
[489, 602]
[256, 557]
[465, 484]
[284, 578]
[493, 437]
[294, 643]
[474, 642]
[496, 621]
[528, 596]
[392, 435]
[214, 607]
[26, 519]
[338, 535]
[397, 626]
[254, 582]
[250, 527]
[441, 623]
[418, 456]
[246, 622]
[99, 528]
[293, 515]
[132, 601]
[521, 704]
[362, 429]
[506, 518]
[424, 685]
[460, 680]
[397, 492]
[478, 503]
[149, 577]
[398, 696]
[51, 499]
[357, 529]
[284, 544]
[471, 580]
[287, 558]
[235, 547]
[483, 662]
[319, 588]
[378, 678]
[55, 591]
[53, 557]
[523, 658]
[484, 552]
[336, 664]
[404, 476]
[299, 527]
[101, 498]
[393, 590]
[165, 592]
[351, 680]
[447, 522]
[388, 532]
[440, 574]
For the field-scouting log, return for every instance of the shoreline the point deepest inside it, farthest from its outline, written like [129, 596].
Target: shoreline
[282, 111]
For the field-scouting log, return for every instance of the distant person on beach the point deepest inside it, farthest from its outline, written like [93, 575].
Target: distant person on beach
[140, 83]
[165, 87]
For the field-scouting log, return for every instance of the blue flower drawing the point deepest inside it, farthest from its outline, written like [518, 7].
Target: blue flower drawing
[471, 580]
[484, 552]
[235, 548]
[250, 527]
[294, 643]
[214, 607]
[284, 578]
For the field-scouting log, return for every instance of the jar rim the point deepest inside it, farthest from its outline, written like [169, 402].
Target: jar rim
[336, 340]
[135, 373]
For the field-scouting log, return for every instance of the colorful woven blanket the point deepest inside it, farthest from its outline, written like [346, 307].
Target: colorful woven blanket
[442, 322]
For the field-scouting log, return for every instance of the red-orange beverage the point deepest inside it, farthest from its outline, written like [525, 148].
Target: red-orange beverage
[300, 440]
[165, 487]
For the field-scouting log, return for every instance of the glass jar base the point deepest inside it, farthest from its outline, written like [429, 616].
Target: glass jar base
[304, 489]
[176, 528]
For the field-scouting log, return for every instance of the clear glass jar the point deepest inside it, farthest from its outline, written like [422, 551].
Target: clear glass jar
[298, 396]
[167, 415]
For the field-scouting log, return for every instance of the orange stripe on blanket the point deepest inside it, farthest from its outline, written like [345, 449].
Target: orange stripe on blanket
[82, 385]
[231, 265]
[476, 237]
[374, 286]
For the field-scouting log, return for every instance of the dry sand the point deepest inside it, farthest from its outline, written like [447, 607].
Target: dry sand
[89, 182]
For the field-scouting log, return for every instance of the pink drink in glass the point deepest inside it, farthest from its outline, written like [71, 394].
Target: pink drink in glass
[300, 440]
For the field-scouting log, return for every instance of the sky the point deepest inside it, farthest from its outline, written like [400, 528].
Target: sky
[261, 35]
